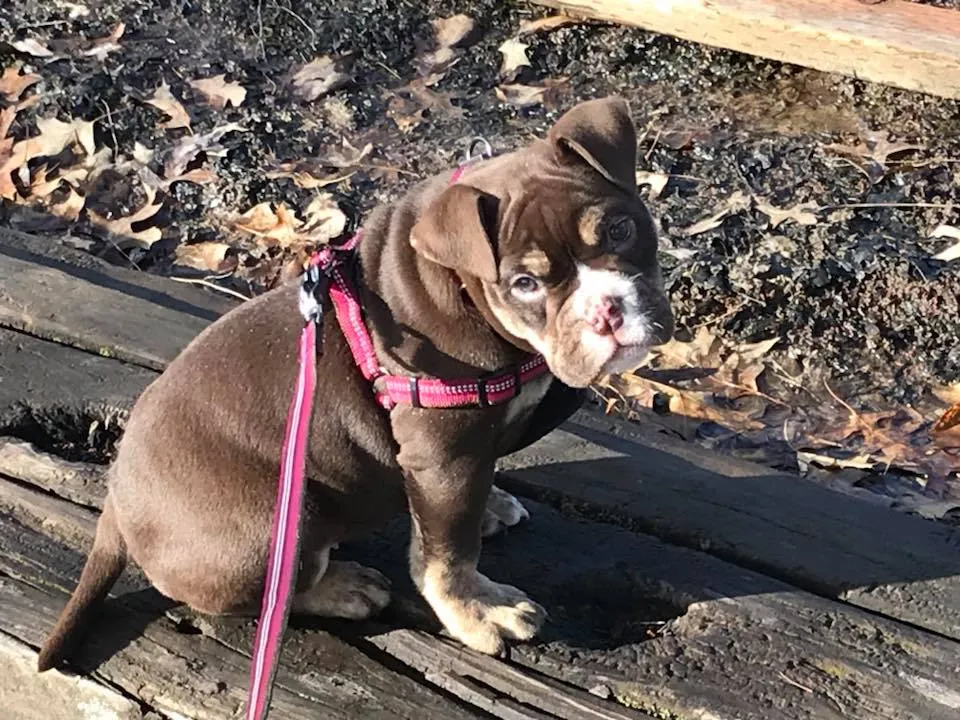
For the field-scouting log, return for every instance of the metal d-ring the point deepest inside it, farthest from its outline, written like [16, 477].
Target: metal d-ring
[486, 152]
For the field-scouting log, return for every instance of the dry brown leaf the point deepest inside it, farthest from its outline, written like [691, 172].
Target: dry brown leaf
[74, 10]
[876, 147]
[802, 213]
[346, 156]
[514, 57]
[164, 101]
[451, 31]
[55, 136]
[32, 46]
[952, 252]
[320, 76]
[949, 394]
[104, 46]
[325, 220]
[545, 24]
[13, 84]
[206, 256]
[656, 181]
[187, 150]
[122, 228]
[141, 153]
[950, 419]
[524, 96]
[218, 92]
[69, 208]
[304, 177]
[738, 202]
[435, 102]
[41, 185]
[271, 227]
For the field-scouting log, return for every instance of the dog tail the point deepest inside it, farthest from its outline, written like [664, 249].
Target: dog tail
[106, 561]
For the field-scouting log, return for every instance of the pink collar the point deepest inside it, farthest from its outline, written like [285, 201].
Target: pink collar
[328, 271]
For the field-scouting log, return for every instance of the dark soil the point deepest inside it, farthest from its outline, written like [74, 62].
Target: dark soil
[856, 298]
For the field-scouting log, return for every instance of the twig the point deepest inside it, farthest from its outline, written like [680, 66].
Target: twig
[260, 45]
[794, 683]
[297, 17]
[720, 318]
[391, 168]
[113, 129]
[389, 69]
[212, 286]
[653, 145]
[942, 206]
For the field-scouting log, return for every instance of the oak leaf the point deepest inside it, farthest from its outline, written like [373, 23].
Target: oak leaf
[218, 92]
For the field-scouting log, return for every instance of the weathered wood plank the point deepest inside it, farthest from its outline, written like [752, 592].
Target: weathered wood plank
[895, 42]
[38, 373]
[901, 566]
[193, 675]
[94, 311]
[660, 628]
[24, 695]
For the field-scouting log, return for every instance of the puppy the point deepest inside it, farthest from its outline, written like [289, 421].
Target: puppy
[547, 249]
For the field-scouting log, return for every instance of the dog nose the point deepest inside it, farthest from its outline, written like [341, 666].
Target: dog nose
[606, 315]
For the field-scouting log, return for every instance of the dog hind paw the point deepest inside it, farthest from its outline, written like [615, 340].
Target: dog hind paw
[503, 511]
[346, 590]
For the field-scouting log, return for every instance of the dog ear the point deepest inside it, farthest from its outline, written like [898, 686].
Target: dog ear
[600, 133]
[457, 232]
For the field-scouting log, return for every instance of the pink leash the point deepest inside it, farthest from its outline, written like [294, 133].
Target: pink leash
[327, 281]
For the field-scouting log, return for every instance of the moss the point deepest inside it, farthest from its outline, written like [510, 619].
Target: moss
[106, 351]
[833, 668]
[633, 698]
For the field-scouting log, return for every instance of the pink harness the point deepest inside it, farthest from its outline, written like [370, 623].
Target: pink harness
[328, 276]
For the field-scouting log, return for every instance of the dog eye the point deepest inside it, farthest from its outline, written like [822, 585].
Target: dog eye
[525, 285]
[621, 233]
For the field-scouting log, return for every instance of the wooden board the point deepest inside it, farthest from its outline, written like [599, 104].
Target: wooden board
[186, 674]
[894, 42]
[656, 627]
[39, 373]
[25, 696]
[901, 566]
[95, 311]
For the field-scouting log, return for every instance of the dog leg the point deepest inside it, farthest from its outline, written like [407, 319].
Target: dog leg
[503, 511]
[341, 589]
[447, 502]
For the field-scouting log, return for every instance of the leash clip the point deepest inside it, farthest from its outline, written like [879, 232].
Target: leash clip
[486, 150]
[314, 289]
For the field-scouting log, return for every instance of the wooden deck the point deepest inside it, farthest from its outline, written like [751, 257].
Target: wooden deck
[680, 583]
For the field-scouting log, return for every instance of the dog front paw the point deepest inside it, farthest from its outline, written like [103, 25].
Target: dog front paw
[483, 614]
[503, 511]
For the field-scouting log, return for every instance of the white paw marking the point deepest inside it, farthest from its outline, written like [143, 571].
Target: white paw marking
[503, 511]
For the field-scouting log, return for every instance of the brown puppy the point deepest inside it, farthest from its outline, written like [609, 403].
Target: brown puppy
[545, 249]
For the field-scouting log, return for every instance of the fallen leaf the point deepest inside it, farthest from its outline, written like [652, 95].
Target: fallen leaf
[952, 252]
[186, 151]
[220, 93]
[346, 156]
[206, 256]
[41, 185]
[545, 24]
[104, 46]
[54, 137]
[74, 10]
[304, 178]
[949, 419]
[141, 153]
[13, 84]
[271, 227]
[525, 96]
[69, 208]
[802, 213]
[122, 228]
[656, 181]
[34, 47]
[164, 101]
[950, 394]
[429, 100]
[872, 155]
[514, 57]
[736, 203]
[857, 462]
[320, 76]
[324, 218]
[451, 31]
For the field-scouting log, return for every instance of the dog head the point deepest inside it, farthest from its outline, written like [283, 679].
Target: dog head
[556, 248]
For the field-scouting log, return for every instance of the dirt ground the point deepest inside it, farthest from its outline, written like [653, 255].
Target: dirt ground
[849, 287]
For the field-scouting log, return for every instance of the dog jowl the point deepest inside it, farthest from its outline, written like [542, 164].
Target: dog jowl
[547, 249]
